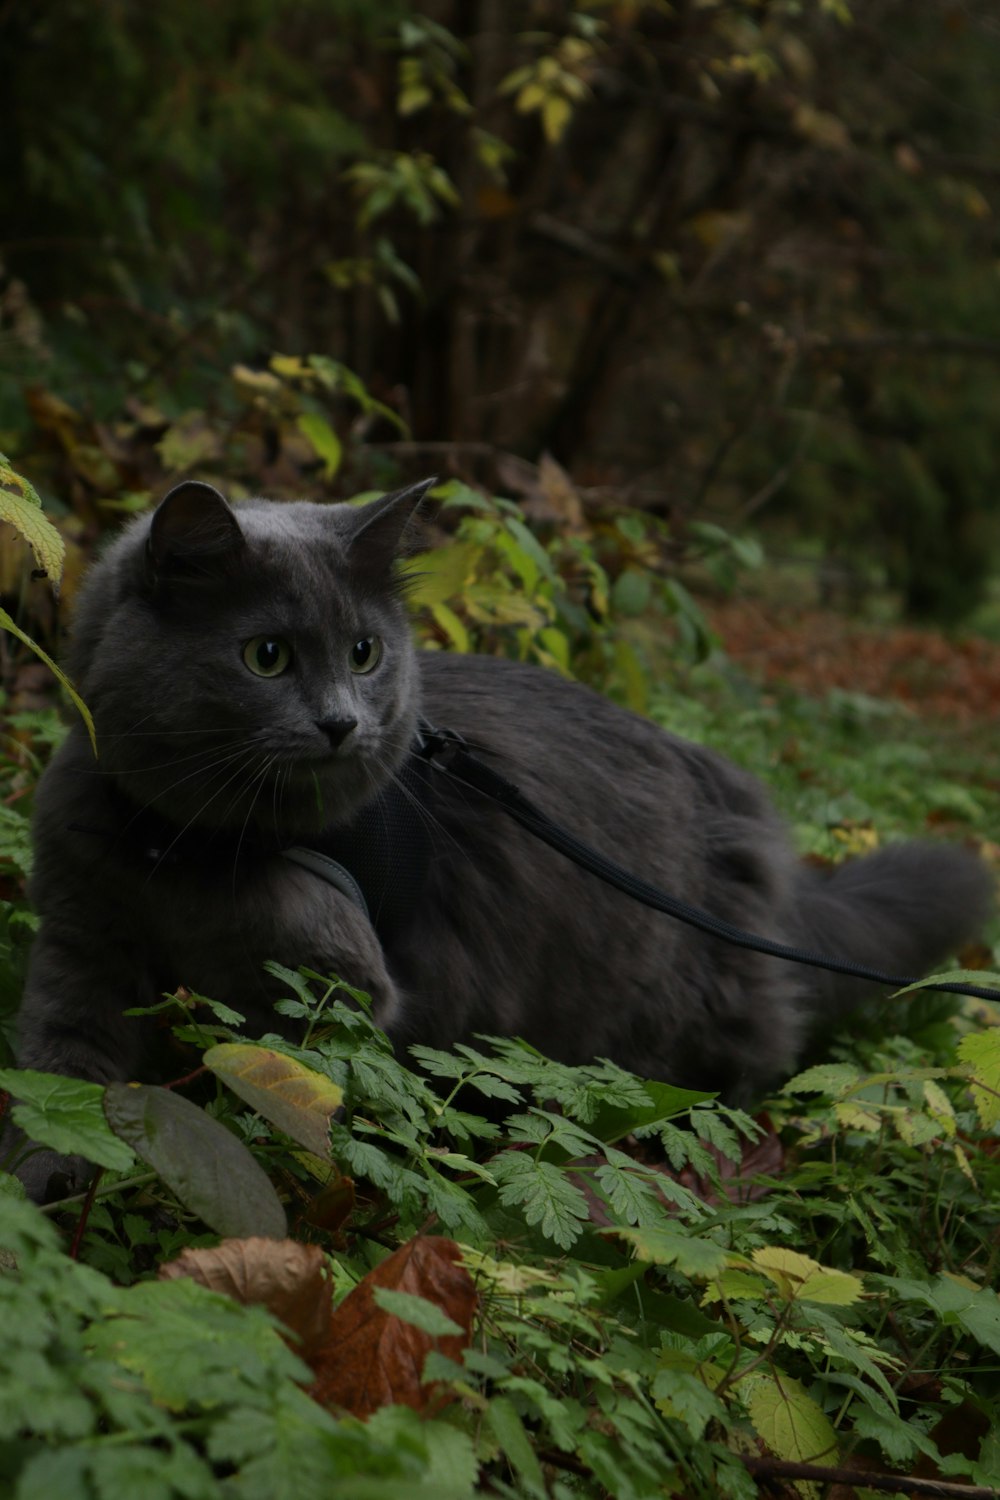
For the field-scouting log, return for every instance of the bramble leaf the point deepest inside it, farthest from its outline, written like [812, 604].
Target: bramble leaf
[789, 1421]
[799, 1278]
[65, 1114]
[981, 1050]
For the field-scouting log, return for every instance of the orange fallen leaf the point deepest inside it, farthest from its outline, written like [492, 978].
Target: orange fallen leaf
[373, 1358]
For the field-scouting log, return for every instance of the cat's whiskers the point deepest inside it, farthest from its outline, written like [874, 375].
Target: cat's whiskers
[120, 772]
[259, 778]
[246, 756]
[428, 818]
[221, 760]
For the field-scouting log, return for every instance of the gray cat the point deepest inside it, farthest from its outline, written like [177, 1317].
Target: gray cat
[254, 685]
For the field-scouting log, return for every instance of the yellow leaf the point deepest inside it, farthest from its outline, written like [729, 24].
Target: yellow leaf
[433, 577]
[857, 1118]
[21, 508]
[789, 1421]
[735, 1285]
[255, 382]
[531, 97]
[821, 127]
[799, 1278]
[290, 367]
[322, 439]
[556, 114]
[452, 626]
[298, 1100]
[981, 1051]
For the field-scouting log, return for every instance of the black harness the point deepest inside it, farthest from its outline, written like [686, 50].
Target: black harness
[380, 859]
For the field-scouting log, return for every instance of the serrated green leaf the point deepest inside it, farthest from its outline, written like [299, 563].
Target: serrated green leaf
[417, 1311]
[189, 1344]
[67, 1115]
[508, 1429]
[21, 508]
[543, 1193]
[789, 1421]
[691, 1254]
[682, 1395]
[631, 1195]
[899, 1440]
[799, 1278]
[835, 1079]
[211, 1171]
[981, 1051]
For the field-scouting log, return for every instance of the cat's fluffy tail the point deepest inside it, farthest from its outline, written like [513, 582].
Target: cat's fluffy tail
[903, 910]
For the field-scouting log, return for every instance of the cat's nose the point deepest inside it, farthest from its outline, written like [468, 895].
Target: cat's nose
[336, 730]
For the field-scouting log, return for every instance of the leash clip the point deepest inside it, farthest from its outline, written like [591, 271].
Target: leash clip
[437, 746]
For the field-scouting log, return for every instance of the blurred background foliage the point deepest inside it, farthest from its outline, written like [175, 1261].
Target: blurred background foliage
[662, 272]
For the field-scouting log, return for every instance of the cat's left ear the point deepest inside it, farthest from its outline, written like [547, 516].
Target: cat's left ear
[194, 531]
[376, 530]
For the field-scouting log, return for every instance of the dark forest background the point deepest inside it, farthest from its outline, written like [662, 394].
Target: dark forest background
[734, 263]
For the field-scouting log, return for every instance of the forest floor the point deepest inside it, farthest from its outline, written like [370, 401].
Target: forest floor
[953, 679]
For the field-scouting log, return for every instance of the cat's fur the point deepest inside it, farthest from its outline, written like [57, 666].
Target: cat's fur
[507, 935]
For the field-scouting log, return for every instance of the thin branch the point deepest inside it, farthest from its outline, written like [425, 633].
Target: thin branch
[897, 1484]
[923, 341]
[81, 1223]
[578, 242]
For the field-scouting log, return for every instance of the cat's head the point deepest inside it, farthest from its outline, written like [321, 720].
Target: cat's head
[251, 665]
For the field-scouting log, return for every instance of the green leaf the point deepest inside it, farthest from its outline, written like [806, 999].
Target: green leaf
[631, 592]
[66, 1115]
[508, 1429]
[21, 507]
[680, 1394]
[835, 1079]
[300, 1101]
[324, 441]
[417, 1311]
[211, 1172]
[545, 1194]
[659, 1101]
[981, 1051]
[692, 1255]
[799, 1278]
[899, 1440]
[8, 624]
[789, 1420]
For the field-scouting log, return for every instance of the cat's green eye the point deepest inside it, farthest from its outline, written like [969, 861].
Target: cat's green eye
[365, 655]
[267, 655]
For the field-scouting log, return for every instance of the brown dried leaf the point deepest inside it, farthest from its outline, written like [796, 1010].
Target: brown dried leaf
[332, 1205]
[373, 1358]
[287, 1278]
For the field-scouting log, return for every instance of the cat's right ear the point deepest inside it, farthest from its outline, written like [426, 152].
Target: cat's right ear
[194, 534]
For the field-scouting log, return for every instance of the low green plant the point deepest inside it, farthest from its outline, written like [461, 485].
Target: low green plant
[640, 1328]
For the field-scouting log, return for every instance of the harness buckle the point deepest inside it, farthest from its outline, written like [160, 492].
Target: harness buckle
[432, 744]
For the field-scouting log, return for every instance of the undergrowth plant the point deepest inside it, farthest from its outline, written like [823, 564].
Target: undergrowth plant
[651, 1316]
[322, 1269]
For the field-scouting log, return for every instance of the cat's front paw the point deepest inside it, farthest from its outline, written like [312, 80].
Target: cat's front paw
[48, 1176]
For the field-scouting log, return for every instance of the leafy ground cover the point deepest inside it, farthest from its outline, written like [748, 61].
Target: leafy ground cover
[332, 1271]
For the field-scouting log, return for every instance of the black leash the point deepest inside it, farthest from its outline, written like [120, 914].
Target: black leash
[448, 752]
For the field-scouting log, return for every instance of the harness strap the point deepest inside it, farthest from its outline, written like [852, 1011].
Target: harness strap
[448, 753]
[331, 871]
